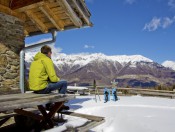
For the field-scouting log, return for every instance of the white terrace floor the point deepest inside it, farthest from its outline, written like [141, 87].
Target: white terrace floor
[128, 114]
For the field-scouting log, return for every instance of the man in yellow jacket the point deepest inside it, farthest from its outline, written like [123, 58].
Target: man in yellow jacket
[42, 75]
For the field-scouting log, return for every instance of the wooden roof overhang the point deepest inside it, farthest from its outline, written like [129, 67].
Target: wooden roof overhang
[41, 16]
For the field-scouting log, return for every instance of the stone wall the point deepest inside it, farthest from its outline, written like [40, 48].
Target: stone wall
[11, 42]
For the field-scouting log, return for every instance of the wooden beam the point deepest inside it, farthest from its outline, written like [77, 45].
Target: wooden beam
[85, 7]
[8, 11]
[31, 102]
[82, 13]
[4, 121]
[28, 114]
[7, 115]
[153, 93]
[70, 12]
[15, 4]
[29, 7]
[47, 119]
[89, 117]
[26, 33]
[52, 17]
[37, 21]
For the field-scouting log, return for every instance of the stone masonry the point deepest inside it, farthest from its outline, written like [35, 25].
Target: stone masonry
[11, 42]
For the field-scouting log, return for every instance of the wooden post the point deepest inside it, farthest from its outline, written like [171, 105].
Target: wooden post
[96, 91]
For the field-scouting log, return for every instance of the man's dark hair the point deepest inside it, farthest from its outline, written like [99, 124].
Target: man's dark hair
[45, 49]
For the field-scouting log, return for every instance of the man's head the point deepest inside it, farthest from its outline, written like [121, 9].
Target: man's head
[46, 50]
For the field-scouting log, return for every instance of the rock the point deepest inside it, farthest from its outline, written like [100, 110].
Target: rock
[3, 61]
[14, 56]
[17, 79]
[10, 20]
[3, 48]
[10, 53]
[10, 75]
[1, 78]
[15, 63]
[8, 82]
[8, 66]
[13, 68]
[2, 71]
[13, 71]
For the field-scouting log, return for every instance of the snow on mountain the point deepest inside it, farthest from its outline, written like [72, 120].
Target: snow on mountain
[29, 56]
[83, 58]
[169, 64]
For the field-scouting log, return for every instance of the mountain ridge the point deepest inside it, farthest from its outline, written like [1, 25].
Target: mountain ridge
[133, 70]
[169, 64]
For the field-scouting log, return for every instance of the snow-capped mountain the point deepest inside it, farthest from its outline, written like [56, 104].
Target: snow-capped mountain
[134, 70]
[84, 59]
[169, 64]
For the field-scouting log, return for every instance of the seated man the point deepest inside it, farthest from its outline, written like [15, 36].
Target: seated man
[42, 75]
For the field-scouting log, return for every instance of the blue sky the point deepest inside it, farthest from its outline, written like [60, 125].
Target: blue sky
[123, 27]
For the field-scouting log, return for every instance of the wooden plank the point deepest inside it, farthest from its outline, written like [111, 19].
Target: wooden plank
[15, 4]
[75, 19]
[59, 12]
[150, 90]
[67, 22]
[48, 116]
[63, 16]
[4, 2]
[89, 117]
[37, 21]
[52, 17]
[4, 121]
[28, 114]
[29, 96]
[89, 126]
[26, 32]
[2, 115]
[13, 97]
[55, 109]
[82, 13]
[85, 7]
[32, 102]
[29, 7]
[54, 4]
[42, 15]
[153, 93]
[8, 11]
[31, 28]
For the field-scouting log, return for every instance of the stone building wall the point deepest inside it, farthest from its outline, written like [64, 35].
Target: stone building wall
[11, 42]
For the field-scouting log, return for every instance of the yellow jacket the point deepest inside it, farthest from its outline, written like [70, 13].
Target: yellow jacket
[41, 72]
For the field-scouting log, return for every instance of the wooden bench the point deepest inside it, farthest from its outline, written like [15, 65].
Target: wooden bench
[153, 93]
[20, 104]
[79, 90]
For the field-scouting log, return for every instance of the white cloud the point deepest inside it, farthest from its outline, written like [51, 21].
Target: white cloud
[171, 3]
[56, 49]
[52, 45]
[153, 25]
[88, 47]
[156, 23]
[166, 22]
[130, 1]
